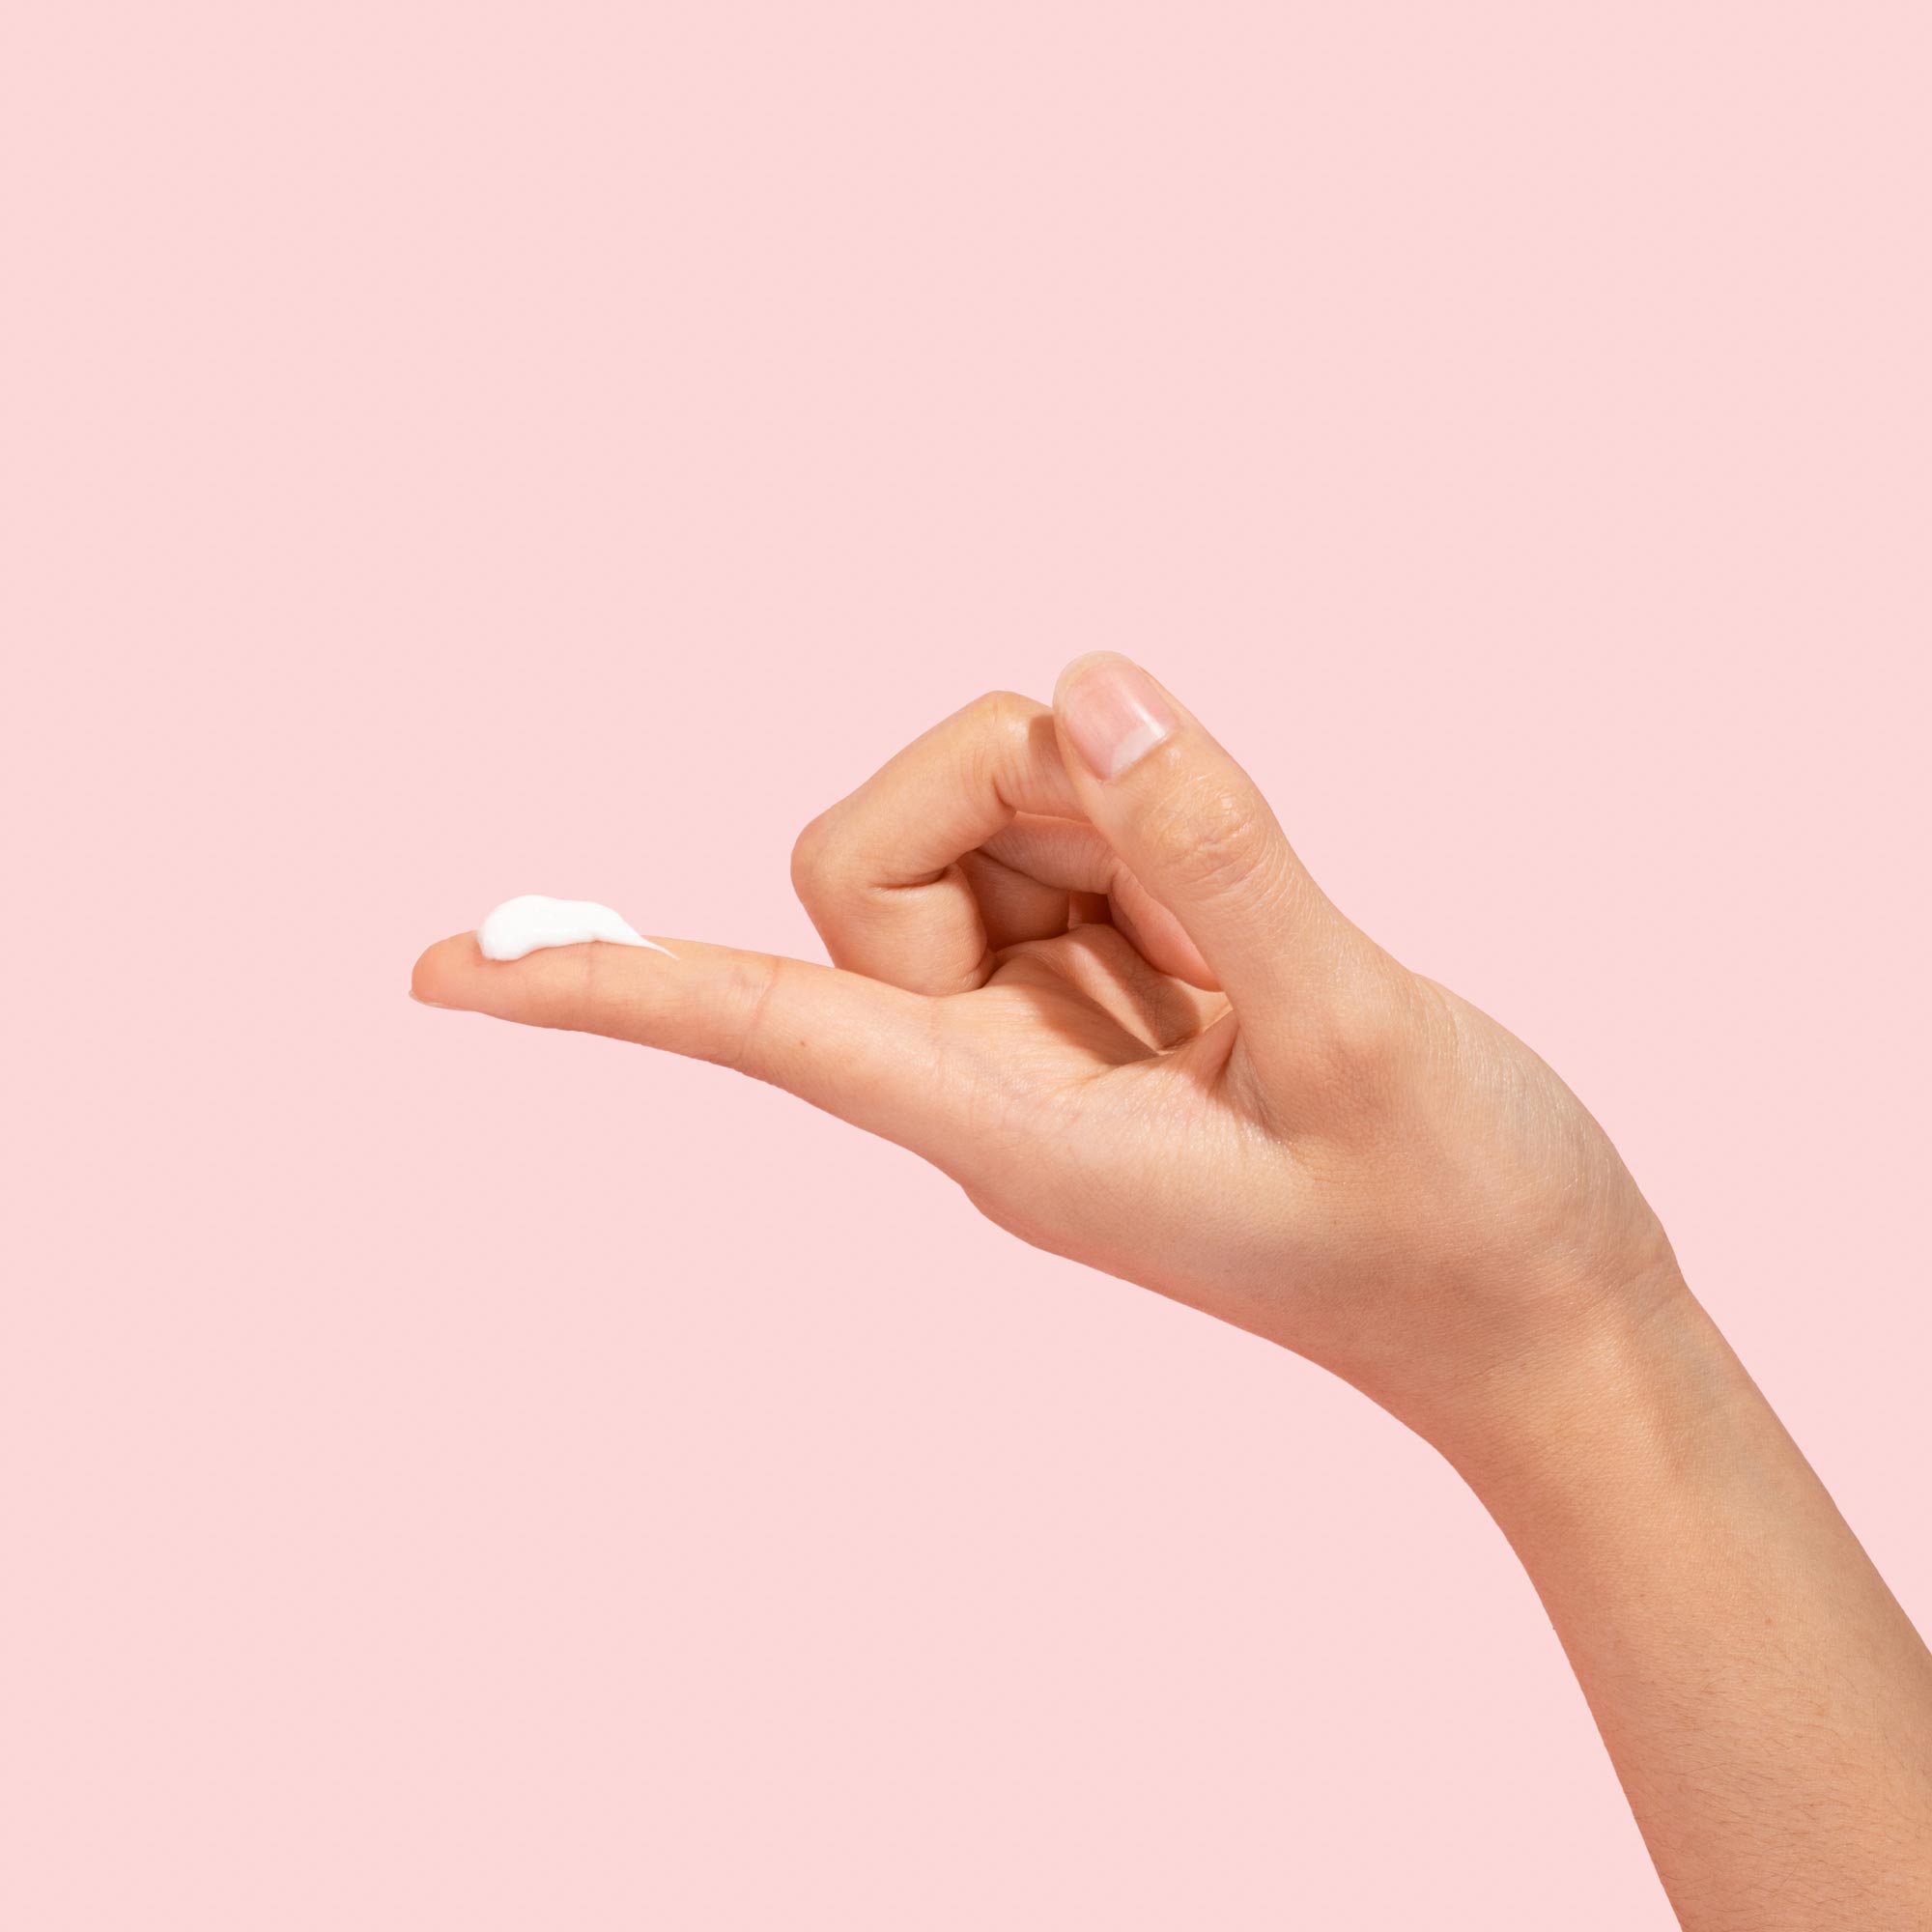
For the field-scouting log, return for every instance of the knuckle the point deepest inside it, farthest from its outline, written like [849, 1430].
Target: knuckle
[1211, 839]
[747, 1049]
[1367, 1042]
[811, 858]
[1005, 714]
[581, 996]
[1361, 1039]
[1001, 726]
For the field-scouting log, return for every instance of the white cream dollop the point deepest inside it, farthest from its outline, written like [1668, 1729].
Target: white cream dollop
[529, 923]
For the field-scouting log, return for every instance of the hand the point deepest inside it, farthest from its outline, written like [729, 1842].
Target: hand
[1079, 968]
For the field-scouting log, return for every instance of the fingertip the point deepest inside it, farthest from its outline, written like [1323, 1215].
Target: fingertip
[589, 986]
[1111, 713]
[1075, 668]
[444, 972]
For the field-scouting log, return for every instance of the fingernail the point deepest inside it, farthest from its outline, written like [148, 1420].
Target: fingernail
[1114, 713]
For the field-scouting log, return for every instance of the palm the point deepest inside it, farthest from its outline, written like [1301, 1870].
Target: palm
[1090, 1099]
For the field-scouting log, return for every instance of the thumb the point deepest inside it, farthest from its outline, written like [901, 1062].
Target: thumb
[1195, 829]
[859, 1048]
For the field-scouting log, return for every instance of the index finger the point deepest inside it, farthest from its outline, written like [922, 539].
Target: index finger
[871, 1054]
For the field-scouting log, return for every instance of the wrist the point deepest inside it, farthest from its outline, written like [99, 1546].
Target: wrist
[1628, 1385]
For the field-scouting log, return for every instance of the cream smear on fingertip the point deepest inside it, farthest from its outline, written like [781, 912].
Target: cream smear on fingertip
[529, 923]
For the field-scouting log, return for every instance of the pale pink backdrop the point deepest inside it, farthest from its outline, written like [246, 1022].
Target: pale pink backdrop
[464, 1477]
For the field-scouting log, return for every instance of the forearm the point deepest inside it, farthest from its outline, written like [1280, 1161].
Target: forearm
[1767, 1703]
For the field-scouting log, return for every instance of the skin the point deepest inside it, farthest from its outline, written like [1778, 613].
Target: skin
[1114, 1006]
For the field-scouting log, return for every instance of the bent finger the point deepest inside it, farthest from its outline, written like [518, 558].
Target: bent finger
[878, 872]
[1070, 856]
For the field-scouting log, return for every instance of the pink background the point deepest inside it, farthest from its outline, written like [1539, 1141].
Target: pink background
[460, 1476]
